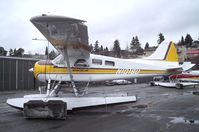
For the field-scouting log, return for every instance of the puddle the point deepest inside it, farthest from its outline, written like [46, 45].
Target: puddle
[177, 120]
[157, 117]
[196, 92]
[187, 93]
[140, 106]
[166, 94]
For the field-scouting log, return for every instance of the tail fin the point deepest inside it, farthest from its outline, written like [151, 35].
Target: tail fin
[166, 52]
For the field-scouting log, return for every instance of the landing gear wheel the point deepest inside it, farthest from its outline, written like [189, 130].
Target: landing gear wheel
[152, 83]
[179, 86]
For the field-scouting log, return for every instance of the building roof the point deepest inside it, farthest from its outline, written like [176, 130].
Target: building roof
[17, 58]
[192, 51]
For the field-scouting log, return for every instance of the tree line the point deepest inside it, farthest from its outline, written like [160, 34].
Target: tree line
[20, 52]
[188, 42]
[12, 52]
[116, 51]
[133, 48]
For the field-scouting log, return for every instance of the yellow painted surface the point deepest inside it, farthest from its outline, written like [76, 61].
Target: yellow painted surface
[172, 55]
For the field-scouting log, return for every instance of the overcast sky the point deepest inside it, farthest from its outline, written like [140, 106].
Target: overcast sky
[107, 20]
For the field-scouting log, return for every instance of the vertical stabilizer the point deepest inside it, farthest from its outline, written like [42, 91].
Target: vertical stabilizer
[166, 52]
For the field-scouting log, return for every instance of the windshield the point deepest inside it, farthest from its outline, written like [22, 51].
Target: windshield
[59, 61]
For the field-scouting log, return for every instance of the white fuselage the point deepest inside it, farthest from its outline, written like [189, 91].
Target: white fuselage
[102, 68]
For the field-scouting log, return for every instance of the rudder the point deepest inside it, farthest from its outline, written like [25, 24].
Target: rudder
[171, 54]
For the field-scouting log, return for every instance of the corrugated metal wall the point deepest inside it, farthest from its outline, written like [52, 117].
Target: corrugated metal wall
[14, 74]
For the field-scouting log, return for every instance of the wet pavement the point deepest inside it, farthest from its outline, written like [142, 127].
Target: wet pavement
[157, 109]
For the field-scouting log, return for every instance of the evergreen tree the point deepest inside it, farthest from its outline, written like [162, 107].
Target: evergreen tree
[106, 51]
[146, 46]
[15, 52]
[101, 50]
[161, 38]
[117, 49]
[188, 40]
[182, 41]
[91, 48]
[132, 44]
[96, 47]
[3, 52]
[135, 44]
[46, 51]
[20, 52]
[11, 53]
[140, 51]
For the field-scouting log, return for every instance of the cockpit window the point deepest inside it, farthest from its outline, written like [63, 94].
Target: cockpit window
[81, 63]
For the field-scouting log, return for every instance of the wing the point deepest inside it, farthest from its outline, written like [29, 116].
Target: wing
[67, 35]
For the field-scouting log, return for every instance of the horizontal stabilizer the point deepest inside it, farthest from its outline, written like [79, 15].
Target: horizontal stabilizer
[187, 66]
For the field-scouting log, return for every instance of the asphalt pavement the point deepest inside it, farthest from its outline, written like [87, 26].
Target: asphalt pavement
[157, 109]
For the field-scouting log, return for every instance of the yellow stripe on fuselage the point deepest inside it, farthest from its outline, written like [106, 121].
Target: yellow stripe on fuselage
[51, 69]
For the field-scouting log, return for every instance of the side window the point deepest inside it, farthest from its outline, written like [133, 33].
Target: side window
[81, 63]
[109, 63]
[97, 61]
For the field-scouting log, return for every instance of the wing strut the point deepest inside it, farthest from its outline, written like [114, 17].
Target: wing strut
[70, 71]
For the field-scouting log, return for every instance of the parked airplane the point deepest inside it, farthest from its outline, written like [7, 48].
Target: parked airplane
[76, 64]
[117, 82]
[179, 81]
[193, 72]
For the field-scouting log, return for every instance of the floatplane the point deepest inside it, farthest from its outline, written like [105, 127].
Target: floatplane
[76, 64]
[187, 78]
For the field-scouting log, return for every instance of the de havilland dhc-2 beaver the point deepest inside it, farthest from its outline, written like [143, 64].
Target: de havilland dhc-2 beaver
[76, 64]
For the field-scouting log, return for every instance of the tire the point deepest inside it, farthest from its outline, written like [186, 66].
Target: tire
[179, 86]
[151, 83]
